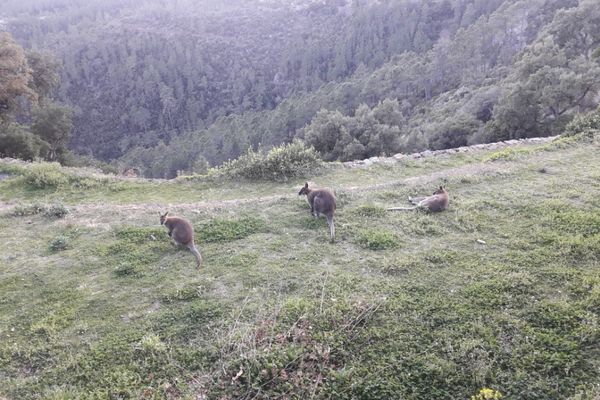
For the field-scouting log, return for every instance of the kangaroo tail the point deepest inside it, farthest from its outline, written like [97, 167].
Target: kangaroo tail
[196, 253]
[331, 228]
[401, 208]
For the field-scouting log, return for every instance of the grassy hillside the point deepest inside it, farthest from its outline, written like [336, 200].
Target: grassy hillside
[500, 291]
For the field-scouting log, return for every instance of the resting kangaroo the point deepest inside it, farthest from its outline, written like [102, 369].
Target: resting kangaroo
[436, 202]
[182, 232]
[322, 203]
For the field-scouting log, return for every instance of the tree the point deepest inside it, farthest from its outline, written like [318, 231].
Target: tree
[44, 73]
[53, 124]
[15, 77]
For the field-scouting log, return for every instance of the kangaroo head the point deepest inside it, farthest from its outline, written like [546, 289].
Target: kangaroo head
[304, 189]
[440, 190]
[163, 217]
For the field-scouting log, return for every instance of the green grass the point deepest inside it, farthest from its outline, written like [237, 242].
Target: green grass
[501, 291]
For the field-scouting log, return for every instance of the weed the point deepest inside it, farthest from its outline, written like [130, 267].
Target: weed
[187, 293]
[227, 230]
[56, 211]
[369, 211]
[377, 239]
[50, 211]
[33, 209]
[59, 243]
[487, 394]
[151, 343]
[127, 269]
[509, 153]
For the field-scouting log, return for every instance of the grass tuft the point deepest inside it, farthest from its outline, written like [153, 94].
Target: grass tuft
[377, 239]
[227, 230]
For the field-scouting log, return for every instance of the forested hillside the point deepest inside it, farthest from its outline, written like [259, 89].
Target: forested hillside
[169, 86]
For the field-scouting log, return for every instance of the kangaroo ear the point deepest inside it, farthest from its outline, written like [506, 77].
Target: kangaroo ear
[306, 185]
[441, 188]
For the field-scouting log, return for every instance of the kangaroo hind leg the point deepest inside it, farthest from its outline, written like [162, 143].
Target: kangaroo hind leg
[331, 228]
[196, 253]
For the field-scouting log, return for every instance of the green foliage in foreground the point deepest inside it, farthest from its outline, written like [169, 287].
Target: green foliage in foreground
[497, 297]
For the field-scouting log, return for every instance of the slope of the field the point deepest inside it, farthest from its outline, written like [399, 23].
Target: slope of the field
[501, 291]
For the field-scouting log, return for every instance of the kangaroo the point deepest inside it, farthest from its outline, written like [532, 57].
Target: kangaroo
[438, 201]
[182, 232]
[322, 203]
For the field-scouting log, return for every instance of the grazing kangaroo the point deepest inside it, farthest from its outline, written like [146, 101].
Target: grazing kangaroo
[182, 232]
[322, 203]
[436, 202]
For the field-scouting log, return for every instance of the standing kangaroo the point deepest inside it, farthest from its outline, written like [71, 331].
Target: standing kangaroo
[322, 203]
[438, 201]
[182, 232]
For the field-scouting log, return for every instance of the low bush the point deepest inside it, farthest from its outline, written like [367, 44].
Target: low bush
[45, 176]
[377, 239]
[278, 164]
[584, 124]
[59, 243]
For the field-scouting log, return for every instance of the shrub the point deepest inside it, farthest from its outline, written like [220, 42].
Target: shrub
[584, 124]
[45, 176]
[59, 243]
[278, 164]
[56, 211]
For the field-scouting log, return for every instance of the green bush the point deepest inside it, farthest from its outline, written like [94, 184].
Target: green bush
[584, 124]
[278, 164]
[45, 176]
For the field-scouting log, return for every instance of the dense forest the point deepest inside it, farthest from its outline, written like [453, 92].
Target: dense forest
[169, 86]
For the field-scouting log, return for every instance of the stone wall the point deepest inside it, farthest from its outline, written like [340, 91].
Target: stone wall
[430, 153]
